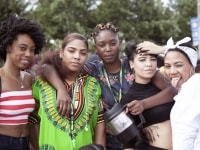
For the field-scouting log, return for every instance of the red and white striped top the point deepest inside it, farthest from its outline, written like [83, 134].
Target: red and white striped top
[15, 106]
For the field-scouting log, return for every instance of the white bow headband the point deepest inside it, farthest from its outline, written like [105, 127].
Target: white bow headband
[191, 53]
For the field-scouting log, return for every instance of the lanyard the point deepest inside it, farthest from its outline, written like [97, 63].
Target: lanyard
[109, 85]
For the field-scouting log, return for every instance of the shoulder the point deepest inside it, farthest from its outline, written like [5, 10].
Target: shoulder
[39, 81]
[196, 77]
[92, 83]
[193, 80]
[190, 89]
[91, 79]
[27, 77]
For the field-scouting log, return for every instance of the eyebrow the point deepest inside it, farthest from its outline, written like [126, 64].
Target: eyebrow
[179, 62]
[21, 44]
[76, 48]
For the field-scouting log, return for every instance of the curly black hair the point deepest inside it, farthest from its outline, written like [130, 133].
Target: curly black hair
[15, 25]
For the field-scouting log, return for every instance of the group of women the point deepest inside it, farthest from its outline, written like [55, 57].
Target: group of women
[72, 94]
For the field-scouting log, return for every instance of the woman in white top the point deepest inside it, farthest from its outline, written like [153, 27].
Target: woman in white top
[180, 60]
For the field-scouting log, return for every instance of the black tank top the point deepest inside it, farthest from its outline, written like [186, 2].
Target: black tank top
[153, 115]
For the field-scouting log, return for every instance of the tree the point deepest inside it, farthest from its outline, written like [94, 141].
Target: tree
[137, 19]
[62, 16]
[8, 7]
[183, 11]
[141, 19]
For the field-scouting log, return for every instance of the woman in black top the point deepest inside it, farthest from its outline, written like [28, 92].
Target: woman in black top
[156, 132]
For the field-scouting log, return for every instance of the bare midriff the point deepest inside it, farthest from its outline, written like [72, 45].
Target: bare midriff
[160, 135]
[14, 130]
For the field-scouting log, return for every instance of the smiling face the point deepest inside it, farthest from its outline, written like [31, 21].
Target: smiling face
[21, 52]
[178, 68]
[144, 67]
[107, 45]
[74, 55]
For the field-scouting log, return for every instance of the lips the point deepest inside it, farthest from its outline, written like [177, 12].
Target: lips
[148, 70]
[108, 56]
[75, 64]
[25, 62]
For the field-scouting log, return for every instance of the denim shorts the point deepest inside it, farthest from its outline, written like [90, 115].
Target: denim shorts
[14, 143]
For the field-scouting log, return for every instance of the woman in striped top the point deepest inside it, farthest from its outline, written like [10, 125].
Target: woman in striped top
[20, 39]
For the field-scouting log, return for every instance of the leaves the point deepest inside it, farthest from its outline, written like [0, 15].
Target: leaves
[143, 19]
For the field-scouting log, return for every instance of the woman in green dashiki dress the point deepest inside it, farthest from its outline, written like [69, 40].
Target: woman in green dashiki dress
[84, 124]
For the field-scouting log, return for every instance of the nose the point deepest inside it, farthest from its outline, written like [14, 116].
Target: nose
[29, 53]
[148, 63]
[107, 47]
[172, 70]
[77, 55]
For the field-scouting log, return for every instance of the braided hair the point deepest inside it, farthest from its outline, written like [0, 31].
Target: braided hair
[102, 26]
[15, 25]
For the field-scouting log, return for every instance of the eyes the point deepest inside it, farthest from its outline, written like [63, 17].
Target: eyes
[25, 48]
[176, 65]
[83, 52]
[143, 59]
[104, 44]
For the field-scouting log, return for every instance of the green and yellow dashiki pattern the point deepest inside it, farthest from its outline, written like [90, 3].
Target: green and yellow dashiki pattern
[55, 130]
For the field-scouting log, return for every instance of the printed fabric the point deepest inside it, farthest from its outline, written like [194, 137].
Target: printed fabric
[96, 69]
[56, 131]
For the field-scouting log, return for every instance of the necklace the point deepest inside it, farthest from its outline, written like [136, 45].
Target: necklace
[117, 99]
[21, 78]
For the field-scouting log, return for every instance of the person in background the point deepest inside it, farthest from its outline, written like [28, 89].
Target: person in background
[115, 77]
[83, 125]
[156, 131]
[20, 39]
[180, 60]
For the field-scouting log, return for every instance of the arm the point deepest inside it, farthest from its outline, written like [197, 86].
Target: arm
[100, 134]
[150, 47]
[63, 99]
[100, 129]
[164, 96]
[34, 136]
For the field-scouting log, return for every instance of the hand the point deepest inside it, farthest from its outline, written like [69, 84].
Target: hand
[63, 102]
[150, 48]
[135, 107]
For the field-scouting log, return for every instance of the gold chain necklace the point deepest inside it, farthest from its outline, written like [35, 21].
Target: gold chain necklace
[20, 82]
